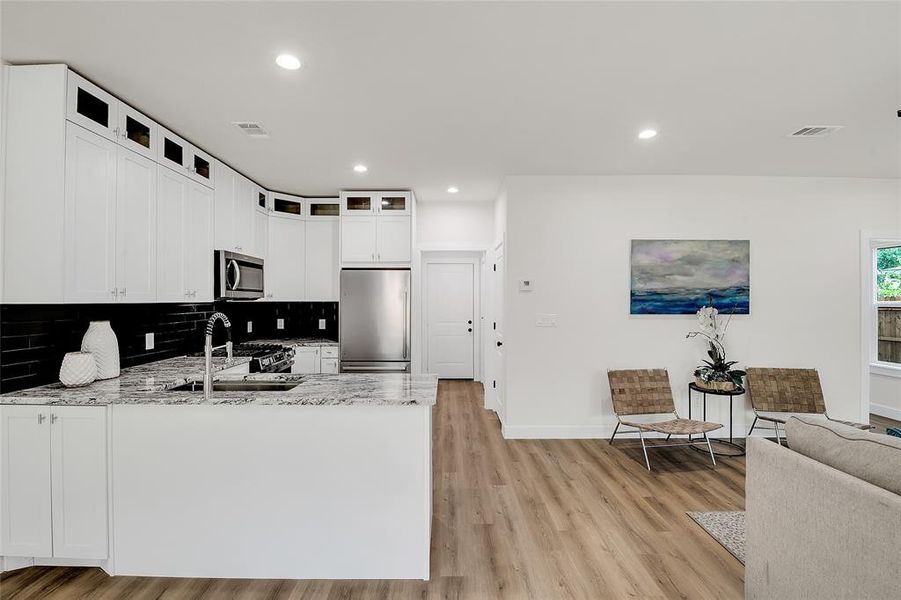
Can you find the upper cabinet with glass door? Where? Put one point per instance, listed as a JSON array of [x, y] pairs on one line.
[[91, 107], [286, 205], [200, 166], [394, 203], [320, 208], [138, 132], [358, 203]]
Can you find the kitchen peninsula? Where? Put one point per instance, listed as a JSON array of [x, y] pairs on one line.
[[328, 477]]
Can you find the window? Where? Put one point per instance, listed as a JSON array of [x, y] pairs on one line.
[[888, 303]]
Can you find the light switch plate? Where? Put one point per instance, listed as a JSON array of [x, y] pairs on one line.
[[545, 320], [148, 341], [279, 323], [249, 326], [525, 285], [321, 323]]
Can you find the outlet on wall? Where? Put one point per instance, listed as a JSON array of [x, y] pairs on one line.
[[148, 341], [249, 326], [279, 323], [321, 323]]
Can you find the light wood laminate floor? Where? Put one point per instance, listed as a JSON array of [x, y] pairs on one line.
[[512, 519]]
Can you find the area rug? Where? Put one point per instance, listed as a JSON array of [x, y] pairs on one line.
[[728, 528]]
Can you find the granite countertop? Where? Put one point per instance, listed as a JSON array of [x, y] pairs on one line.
[[298, 341], [149, 384]]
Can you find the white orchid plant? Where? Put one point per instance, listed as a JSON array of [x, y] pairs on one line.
[[712, 328]]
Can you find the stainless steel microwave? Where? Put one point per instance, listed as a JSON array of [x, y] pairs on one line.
[[238, 276]]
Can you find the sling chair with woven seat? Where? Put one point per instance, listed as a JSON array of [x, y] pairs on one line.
[[778, 394], [641, 392]]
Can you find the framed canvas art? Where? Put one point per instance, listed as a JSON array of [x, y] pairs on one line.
[[677, 277]]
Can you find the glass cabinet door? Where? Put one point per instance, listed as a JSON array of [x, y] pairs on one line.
[[358, 203], [200, 164], [323, 207], [173, 151], [91, 107], [137, 132], [394, 203], [261, 200], [287, 205]]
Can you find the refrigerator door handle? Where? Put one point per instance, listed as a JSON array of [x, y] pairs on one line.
[[405, 324]]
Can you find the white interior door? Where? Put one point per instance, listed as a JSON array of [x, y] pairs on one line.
[[498, 361], [450, 312]]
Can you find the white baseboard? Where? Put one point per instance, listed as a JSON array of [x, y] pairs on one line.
[[885, 411], [11, 563]]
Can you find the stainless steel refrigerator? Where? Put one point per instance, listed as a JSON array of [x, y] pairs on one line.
[[374, 320]]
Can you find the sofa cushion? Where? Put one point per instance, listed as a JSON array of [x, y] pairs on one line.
[[872, 457]]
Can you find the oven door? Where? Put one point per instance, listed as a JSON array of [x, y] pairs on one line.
[[238, 276]]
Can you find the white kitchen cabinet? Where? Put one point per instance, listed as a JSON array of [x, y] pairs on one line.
[[260, 222], [199, 243], [306, 360], [25, 490], [358, 239], [54, 477], [394, 203], [78, 481], [90, 222], [91, 107], [286, 205], [136, 212], [285, 265], [328, 365], [393, 235], [172, 195], [184, 239], [359, 203], [235, 200], [321, 258], [137, 132], [200, 166], [173, 151]]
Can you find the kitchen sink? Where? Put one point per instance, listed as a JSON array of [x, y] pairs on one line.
[[251, 385]]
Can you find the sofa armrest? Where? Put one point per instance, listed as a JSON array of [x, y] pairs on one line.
[[816, 532]]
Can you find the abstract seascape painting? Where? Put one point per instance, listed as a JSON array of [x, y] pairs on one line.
[[677, 277]]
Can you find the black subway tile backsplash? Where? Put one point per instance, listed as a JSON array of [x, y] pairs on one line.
[[34, 338]]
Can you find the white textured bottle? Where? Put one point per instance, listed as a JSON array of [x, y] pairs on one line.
[[100, 340]]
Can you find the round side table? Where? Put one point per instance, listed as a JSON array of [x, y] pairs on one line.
[[734, 449]]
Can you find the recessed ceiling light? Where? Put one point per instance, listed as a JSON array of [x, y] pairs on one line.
[[452, 190], [646, 134], [288, 61], [361, 168]]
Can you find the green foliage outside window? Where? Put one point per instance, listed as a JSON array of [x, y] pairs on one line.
[[888, 274]]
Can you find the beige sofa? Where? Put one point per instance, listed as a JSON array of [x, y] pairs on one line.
[[824, 517]]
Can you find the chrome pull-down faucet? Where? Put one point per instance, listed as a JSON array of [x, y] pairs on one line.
[[208, 350]]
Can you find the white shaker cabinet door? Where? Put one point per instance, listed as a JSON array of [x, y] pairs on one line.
[[306, 360], [226, 192], [90, 230], [285, 278], [199, 243], [25, 481], [358, 235], [394, 240], [136, 227], [322, 260], [172, 195], [79, 491], [245, 203]]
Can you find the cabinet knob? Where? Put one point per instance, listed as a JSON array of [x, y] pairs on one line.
[[122, 291], [499, 344], [114, 292], [469, 330]]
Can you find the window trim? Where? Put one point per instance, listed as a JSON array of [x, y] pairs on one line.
[[877, 366]]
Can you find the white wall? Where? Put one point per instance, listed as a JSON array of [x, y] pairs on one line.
[[885, 396], [455, 224], [571, 237]]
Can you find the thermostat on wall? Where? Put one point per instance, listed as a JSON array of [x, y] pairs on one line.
[[525, 285]]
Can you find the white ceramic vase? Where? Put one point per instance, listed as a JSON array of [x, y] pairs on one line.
[[78, 368], [102, 343]]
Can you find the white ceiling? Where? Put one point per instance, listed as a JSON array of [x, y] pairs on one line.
[[462, 93]]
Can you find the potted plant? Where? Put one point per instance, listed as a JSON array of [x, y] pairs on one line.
[[717, 373]]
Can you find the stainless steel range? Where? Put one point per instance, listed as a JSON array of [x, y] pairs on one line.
[[266, 358]]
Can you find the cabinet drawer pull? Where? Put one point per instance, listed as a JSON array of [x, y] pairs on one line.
[[53, 418], [41, 418]]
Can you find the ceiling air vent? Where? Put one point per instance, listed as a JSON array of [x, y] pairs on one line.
[[251, 128], [816, 131]]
